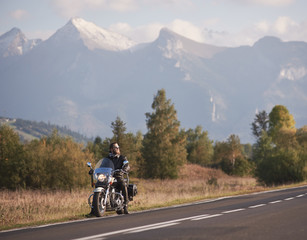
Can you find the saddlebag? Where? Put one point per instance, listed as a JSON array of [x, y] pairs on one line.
[[132, 191]]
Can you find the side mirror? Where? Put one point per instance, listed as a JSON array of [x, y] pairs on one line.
[[125, 163], [89, 164]]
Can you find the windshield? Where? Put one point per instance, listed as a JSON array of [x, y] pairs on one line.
[[105, 163], [104, 166]]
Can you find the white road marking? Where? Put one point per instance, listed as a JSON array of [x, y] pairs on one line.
[[154, 227], [235, 210], [302, 195], [278, 201], [256, 206], [141, 228], [205, 217], [291, 198]]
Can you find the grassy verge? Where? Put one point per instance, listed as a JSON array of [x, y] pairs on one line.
[[32, 207]]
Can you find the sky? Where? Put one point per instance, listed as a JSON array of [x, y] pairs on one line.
[[228, 23]]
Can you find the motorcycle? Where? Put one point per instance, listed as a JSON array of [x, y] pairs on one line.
[[106, 195]]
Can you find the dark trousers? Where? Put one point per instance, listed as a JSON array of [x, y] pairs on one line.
[[121, 185]]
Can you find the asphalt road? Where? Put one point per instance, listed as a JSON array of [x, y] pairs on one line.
[[270, 215]]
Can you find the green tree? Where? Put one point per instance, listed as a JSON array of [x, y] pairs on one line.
[[260, 124], [56, 162], [247, 150], [281, 167], [36, 160], [301, 136], [119, 133], [96, 148], [164, 144], [263, 148], [279, 154], [230, 158], [133, 153], [129, 143], [280, 120], [199, 146], [12, 164]]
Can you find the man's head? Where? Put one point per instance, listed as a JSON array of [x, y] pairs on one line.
[[114, 148]]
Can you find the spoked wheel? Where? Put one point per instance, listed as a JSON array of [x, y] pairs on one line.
[[98, 204]]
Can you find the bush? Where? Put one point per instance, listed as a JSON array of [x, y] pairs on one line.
[[281, 167], [241, 166]]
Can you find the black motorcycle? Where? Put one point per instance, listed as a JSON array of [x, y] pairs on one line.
[[107, 196]]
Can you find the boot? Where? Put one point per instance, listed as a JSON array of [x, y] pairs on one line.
[[126, 209]]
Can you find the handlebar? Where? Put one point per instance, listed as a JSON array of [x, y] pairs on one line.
[[120, 170]]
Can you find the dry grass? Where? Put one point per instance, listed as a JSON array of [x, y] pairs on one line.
[[28, 207], [195, 183], [32, 207]]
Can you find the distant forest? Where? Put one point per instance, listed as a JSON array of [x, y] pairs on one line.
[[41, 129]]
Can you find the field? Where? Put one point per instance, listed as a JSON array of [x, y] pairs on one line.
[[35, 207]]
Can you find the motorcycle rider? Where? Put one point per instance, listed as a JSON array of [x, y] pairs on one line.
[[120, 162]]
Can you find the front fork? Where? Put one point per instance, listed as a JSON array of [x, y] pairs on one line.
[[106, 197], [99, 189]]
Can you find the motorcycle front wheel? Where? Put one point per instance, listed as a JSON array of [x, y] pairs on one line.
[[98, 204]]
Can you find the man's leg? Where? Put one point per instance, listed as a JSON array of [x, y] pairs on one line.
[[124, 189]]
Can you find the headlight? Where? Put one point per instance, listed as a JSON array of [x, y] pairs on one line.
[[101, 177]]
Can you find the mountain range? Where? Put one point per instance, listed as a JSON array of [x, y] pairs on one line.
[[84, 76]]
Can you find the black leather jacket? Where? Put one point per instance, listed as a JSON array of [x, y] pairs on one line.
[[119, 162]]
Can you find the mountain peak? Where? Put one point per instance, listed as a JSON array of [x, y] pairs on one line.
[[171, 42], [10, 35], [14, 31], [15, 43], [93, 37], [166, 33], [267, 41]]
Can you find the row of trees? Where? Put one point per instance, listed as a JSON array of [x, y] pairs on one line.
[[52, 162], [279, 155]]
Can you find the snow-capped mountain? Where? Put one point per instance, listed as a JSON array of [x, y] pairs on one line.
[[15, 43], [92, 36], [84, 77], [173, 43]]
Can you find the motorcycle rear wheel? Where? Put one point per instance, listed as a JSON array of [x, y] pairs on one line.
[[98, 204]]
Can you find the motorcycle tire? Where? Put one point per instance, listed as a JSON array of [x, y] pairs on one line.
[[98, 204]]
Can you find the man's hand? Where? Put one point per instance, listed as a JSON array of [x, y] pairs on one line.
[[118, 174]]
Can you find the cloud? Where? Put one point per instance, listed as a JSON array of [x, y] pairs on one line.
[[187, 29], [275, 3], [170, 4], [68, 8], [121, 5], [140, 34], [19, 14], [72, 8], [272, 3], [148, 33], [283, 27]]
